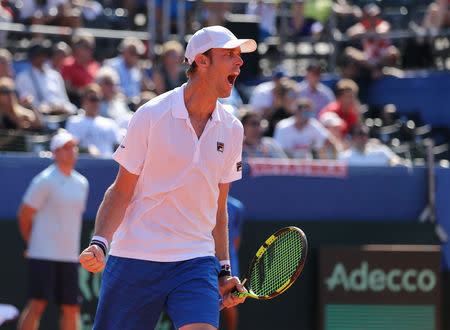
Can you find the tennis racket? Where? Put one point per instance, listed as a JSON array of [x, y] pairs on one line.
[[276, 265]]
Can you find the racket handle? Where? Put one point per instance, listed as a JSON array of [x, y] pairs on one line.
[[240, 294]]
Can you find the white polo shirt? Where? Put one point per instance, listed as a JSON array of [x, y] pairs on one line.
[[173, 209]]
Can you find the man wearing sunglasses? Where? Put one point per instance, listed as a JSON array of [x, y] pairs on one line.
[[98, 135]]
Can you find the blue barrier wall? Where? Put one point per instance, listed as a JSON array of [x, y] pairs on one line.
[[367, 194], [426, 93]]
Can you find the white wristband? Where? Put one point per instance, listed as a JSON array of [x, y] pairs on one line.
[[101, 239], [224, 263]]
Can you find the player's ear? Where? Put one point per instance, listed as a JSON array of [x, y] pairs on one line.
[[202, 60]]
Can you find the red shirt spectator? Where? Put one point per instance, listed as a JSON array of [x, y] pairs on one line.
[[345, 105], [349, 116], [78, 75]]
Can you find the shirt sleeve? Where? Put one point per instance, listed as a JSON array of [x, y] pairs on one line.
[[37, 192], [132, 151], [233, 167]]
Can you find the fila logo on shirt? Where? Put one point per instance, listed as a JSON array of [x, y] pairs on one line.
[[220, 146], [239, 166]]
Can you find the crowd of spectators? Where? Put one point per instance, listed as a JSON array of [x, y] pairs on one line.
[[75, 83]]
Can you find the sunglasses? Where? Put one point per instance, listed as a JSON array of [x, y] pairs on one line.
[[7, 91], [93, 99]]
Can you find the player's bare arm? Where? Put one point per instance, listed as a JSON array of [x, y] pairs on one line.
[[226, 283], [109, 217]]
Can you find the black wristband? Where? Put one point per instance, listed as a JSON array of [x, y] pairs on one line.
[[100, 244], [224, 272]]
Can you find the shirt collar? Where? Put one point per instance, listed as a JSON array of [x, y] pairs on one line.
[[179, 107]]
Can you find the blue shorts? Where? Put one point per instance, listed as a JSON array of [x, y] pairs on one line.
[[134, 292]]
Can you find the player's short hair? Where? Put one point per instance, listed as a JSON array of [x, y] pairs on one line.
[[344, 85]]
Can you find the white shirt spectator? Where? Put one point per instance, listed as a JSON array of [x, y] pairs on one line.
[[55, 232], [320, 98], [46, 87], [300, 143], [262, 97], [101, 132], [375, 154]]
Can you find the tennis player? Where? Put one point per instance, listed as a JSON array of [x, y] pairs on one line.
[[166, 211]]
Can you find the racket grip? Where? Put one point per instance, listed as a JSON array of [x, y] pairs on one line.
[[239, 294]]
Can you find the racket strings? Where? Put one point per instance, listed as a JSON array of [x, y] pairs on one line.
[[277, 264]]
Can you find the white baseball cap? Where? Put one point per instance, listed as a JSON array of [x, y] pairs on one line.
[[216, 37], [60, 139]]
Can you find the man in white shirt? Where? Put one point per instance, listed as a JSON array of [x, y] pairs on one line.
[[365, 152], [312, 89], [44, 84], [166, 211], [50, 221], [98, 135], [263, 98], [301, 134]]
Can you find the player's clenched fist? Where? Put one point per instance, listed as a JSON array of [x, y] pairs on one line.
[[92, 259]]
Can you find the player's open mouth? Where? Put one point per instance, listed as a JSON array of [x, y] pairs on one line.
[[231, 78]]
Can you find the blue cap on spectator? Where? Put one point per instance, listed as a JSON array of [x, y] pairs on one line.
[[38, 48]]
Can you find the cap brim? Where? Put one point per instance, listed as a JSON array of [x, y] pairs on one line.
[[247, 45]]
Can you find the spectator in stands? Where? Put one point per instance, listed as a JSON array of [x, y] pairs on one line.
[[170, 72], [15, 119], [59, 52], [437, 16], [267, 14], [285, 97], [300, 25], [113, 104], [346, 105], [312, 89], [79, 70], [99, 136], [127, 66], [333, 123], [367, 152], [12, 114], [6, 69], [50, 222], [377, 52], [44, 84], [263, 97], [302, 134], [256, 145]]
